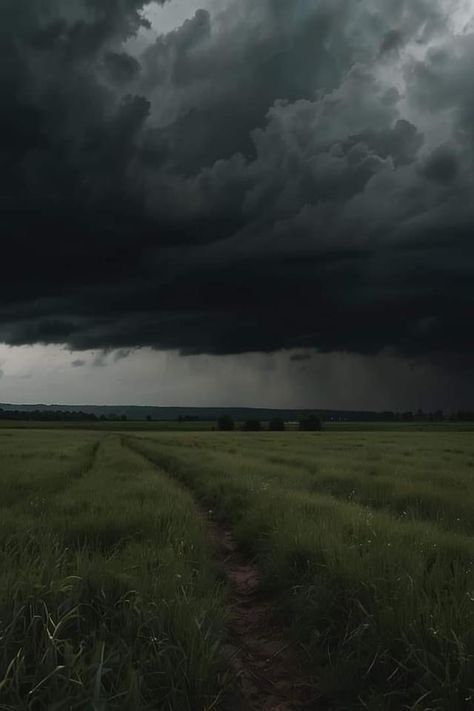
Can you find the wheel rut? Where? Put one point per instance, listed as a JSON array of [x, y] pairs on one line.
[[269, 673], [267, 665]]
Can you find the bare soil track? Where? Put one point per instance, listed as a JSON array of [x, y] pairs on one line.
[[270, 675], [267, 665]]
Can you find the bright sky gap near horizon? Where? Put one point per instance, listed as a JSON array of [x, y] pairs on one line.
[[240, 203]]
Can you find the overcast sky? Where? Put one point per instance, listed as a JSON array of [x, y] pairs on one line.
[[238, 202]]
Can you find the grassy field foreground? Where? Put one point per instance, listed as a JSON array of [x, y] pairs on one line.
[[109, 597], [366, 540]]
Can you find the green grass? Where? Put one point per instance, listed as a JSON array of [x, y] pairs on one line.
[[109, 597], [366, 539], [445, 426]]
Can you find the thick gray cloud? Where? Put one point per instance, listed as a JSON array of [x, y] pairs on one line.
[[273, 175], [43, 374], [120, 67], [78, 363]]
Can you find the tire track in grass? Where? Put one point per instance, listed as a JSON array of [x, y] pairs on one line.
[[84, 469], [270, 674]]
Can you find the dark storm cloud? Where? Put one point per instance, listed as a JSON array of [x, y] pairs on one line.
[[300, 357], [121, 67], [392, 40], [122, 354], [78, 363], [442, 165], [272, 177], [100, 360]]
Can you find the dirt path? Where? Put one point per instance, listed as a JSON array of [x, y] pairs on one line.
[[266, 664]]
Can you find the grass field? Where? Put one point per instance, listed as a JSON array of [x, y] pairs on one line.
[[110, 597]]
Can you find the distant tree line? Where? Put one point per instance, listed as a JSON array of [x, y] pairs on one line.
[[421, 416], [112, 418], [57, 416], [46, 416], [309, 423], [313, 422], [306, 422]]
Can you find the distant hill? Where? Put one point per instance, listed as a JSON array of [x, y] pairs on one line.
[[239, 414]]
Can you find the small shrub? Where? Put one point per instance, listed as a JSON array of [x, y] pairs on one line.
[[252, 426], [225, 423], [311, 423], [277, 425]]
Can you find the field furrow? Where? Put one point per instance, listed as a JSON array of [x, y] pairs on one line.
[[269, 669]]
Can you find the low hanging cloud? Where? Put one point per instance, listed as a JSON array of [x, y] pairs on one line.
[[79, 363], [274, 175], [300, 357]]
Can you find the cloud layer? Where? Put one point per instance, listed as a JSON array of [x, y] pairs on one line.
[[273, 175]]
